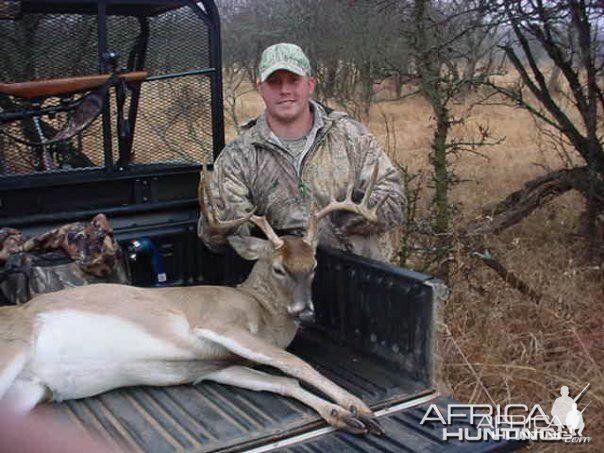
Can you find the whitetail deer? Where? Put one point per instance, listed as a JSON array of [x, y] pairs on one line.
[[83, 341]]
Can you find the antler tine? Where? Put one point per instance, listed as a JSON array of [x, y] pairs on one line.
[[361, 208], [347, 204], [268, 231], [204, 190], [371, 185], [229, 226], [311, 229], [350, 186]]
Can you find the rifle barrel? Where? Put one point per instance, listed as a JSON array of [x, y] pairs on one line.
[[8, 117], [57, 87], [582, 392], [586, 406]]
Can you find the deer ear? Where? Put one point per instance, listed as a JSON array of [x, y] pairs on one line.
[[248, 247]]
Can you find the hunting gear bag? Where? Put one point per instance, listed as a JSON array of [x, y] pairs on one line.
[[75, 254]]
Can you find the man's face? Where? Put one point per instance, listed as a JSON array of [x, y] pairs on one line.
[[286, 95]]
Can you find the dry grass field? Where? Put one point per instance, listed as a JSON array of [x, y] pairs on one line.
[[497, 346]]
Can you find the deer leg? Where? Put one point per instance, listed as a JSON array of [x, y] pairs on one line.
[[248, 378], [257, 350], [23, 396], [12, 360]]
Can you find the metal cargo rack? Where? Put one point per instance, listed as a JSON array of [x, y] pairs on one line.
[[144, 149]]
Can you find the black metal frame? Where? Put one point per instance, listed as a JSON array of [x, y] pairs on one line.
[[116, 168]]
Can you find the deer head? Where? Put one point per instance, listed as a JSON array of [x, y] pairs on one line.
[[285, 266]]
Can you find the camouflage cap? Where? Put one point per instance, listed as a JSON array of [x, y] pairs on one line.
[[283, 56]]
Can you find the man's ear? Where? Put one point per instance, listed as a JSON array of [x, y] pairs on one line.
[[249, 247], [312, 83]]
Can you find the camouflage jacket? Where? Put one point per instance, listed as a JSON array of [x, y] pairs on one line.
[[254, 171]]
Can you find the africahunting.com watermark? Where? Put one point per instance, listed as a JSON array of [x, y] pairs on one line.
[[563, 423]]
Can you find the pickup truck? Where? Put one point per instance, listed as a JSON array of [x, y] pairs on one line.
[[139, 164]]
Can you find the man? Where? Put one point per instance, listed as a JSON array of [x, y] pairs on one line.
[[298, 152], [561, 407], [574, 421]]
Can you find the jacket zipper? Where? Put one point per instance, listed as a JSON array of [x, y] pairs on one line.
[[302, 187]]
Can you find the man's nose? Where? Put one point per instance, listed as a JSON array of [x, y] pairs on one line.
[[286, 88]]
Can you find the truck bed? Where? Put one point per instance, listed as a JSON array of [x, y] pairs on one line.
[[210, 416], [373, 335]]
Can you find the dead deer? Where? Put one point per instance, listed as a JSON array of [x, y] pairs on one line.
[[83, 341]]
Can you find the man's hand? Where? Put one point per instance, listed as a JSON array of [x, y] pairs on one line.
[[350, 223]]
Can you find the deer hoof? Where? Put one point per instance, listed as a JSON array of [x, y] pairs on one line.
[[343, 419], [369, 420], [372, 424], [353, 425]]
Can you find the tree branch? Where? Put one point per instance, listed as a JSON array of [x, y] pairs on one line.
[[523, 202], [508, 276]]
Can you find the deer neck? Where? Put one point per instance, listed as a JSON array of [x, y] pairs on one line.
[[261, 286]]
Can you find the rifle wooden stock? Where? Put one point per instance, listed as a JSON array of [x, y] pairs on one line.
[[70, 85]]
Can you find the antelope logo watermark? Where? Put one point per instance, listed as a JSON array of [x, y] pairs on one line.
[[513, 421]]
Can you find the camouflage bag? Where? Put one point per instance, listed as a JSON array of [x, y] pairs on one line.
[[75, 254]]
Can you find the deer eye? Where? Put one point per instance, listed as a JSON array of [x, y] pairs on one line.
[[278, 271]]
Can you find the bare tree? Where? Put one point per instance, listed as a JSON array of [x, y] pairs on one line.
[[351, 45], [566, 32], [445, 66]]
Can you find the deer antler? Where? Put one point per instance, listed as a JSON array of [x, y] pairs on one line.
[[267, 229], [222, 227], [362, 208], [228, 227]]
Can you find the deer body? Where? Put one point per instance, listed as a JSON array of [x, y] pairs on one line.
[[90, 339]]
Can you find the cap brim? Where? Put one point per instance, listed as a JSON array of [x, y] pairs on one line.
[[282, 66]]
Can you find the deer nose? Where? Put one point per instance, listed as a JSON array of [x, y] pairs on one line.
[[303, 312], [307, 316], [310, 306]]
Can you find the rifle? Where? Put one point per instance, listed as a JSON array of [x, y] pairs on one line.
[[85, 109], [62, 87]]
